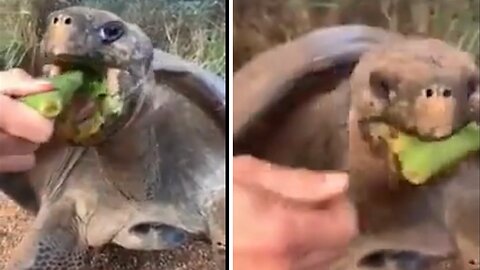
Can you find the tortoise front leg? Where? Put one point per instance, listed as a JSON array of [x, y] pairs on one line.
[[54, 241]]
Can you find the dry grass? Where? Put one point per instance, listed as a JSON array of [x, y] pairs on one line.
[[15, 39], [455, 21], [194, 30]]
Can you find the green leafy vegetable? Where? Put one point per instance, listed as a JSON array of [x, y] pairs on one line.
[[420, 160], [51, 104], [55, 104]]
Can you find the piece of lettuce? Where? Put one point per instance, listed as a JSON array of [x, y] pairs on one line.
[[50, 104], [54, 104], [419, 161]]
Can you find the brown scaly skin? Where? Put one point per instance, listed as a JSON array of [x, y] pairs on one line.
[[311, 111], [153, 180]]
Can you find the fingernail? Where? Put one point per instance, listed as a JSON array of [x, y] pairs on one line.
[[42, 82], [336, 180]]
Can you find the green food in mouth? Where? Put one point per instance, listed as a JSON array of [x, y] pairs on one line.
[[51, 104], [418, 161], [55, 104]]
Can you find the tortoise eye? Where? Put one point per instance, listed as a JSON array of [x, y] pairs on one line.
[[384, 85], [472, 85], [111, 32]]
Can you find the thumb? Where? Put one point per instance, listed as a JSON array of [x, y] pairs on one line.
[[17, 82], [25, 87], [290, 183]]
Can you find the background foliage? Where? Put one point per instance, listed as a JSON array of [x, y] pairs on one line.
[[260, 24], [193, 29]]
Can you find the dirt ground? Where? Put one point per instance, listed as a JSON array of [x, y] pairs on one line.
[[14, 221]]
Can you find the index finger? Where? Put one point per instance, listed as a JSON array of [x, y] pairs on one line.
[[19, 120], [17, 82], [24, 88], [290, 183]]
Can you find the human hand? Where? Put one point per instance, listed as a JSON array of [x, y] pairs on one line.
[[285, 219], [22, 129]]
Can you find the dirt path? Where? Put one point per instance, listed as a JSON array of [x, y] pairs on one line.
[[14, 221]]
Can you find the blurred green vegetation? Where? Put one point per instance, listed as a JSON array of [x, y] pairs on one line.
[[193, 29], [455, 21], [261, 24]]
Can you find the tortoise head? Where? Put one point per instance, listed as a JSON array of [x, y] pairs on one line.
[[424, 87], [116, 53]]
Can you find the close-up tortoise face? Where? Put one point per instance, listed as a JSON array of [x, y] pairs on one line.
[[105, 47], [337, 82], [430, 91]]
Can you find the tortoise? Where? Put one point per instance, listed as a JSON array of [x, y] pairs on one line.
[[153, 178], [311, 113]]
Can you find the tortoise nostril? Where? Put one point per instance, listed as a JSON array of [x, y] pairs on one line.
[[55, 20], [429, 93], [68, 20], [447, 93]]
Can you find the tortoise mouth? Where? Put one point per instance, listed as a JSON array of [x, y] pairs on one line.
[[431, 138], [83, 107], [413, 132], [89, 114]]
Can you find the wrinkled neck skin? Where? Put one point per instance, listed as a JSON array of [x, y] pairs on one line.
[[143, 102], [135, 121], [128, 146], [368, 161], [170, 145], [387, 205]]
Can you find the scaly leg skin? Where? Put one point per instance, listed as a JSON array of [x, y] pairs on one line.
[[54, 242]]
